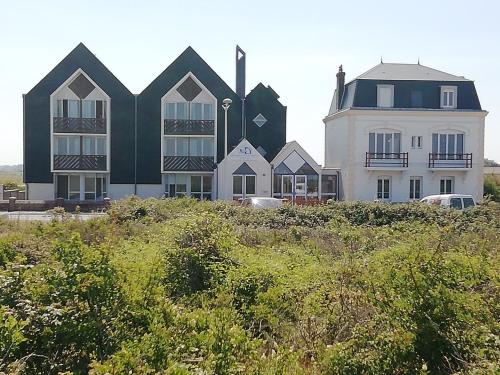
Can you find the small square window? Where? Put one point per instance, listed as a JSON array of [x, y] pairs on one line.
[[416, 141]]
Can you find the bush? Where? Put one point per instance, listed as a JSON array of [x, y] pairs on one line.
[[200, 257]]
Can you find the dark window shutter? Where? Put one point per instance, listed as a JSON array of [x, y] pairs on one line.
[[98, 109], [65, 108]]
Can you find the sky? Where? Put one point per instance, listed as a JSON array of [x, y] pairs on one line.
[[293, 46]]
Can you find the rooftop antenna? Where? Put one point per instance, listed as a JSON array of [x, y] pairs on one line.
[[418, 61], [381, 61]]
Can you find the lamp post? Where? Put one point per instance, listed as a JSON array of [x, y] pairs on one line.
[[226, 103]]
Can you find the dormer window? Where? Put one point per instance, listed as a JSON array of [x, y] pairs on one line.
[[448, 97], [385, 96]]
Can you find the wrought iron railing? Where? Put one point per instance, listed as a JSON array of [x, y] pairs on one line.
[[80, 162], [387, 159], [188, 163], [189, 127], [79, 125], [450, 160]]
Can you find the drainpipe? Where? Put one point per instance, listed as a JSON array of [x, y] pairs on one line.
[[24, 148], [135, 144]]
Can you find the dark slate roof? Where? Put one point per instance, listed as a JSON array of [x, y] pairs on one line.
[[244, 169], [408, 80], [37, 117]]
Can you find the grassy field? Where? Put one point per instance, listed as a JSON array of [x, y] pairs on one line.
[[186, 287], [11, 177]]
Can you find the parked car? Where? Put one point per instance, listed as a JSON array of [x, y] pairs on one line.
[[262, 202], [457, 201]]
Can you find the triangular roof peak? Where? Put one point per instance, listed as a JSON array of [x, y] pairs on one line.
[[407, 72]]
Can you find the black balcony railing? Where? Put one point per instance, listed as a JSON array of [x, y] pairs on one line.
[[450, 160], [189, 127], [80, 162], [188, 163], [79, 125], [388, 159]]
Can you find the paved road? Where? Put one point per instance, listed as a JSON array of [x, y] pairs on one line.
[[44, 216]]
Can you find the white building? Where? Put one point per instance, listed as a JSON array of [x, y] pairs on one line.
[[403, 131]]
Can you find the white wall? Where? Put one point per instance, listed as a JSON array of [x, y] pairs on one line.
[[39, 191], [119, 191], [346, 138], [150, 190], [233, 160]]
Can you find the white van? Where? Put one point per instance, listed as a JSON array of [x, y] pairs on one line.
[[458, 201]]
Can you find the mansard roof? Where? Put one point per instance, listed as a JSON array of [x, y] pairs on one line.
[[408, 72]]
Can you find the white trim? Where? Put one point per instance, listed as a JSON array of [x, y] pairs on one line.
[[108, 121], [162, 118], [391, 88], [448, 89]]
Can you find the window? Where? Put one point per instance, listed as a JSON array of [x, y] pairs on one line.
[[287, 184], [189, 111], [249, 185], [69, 145], [181, 185], [74, 187], [448, 97], [417, 99], [237, 185], [73, 108], [384, 144], [88, 109], [243, 185], [416, 141], [448, 146], [189, 146], [385, 96], [94, 145], [201, 187], [383, 188], [415, 187], [329, 186], [277, 184], [446, 185], [300, 185], [95, 187], [456, 203], [468, 202], [312, 184]]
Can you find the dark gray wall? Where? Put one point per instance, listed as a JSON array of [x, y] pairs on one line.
[[37, 118]]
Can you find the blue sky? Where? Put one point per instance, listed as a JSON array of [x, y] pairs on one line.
[[295, 47]]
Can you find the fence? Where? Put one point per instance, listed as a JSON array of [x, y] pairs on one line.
[[13, 204]]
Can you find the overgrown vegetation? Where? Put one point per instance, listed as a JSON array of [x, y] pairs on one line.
[[186, 287]]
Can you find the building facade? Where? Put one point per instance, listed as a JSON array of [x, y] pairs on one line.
[[400, 132], [87, 137]]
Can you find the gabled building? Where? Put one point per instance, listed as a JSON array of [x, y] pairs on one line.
[[402, 131], [79, 138], [88, 137]]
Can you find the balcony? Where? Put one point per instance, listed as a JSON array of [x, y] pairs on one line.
[[80, 162], [189, 127], [188, 163], [450, 161], [391, 160], [79, 125]]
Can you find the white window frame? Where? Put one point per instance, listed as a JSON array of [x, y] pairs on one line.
[[412, 193], [243, 194], [445, 97], [452, 185], [385, 151], [189, 138], [384, 195], [416, 141], [379, 97], [204, 115], [203, 194]]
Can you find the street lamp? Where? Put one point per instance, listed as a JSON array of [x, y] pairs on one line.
[[225, 106]]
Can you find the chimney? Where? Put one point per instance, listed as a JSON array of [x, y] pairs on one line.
[[340, 86], [240, 72]]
